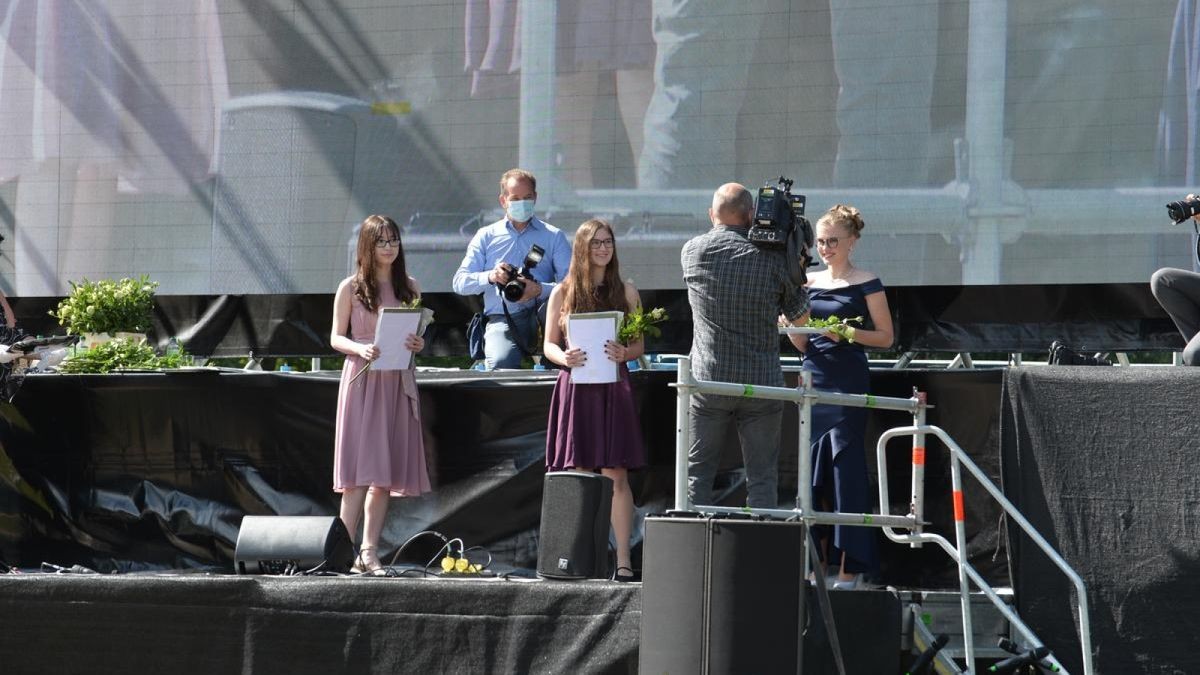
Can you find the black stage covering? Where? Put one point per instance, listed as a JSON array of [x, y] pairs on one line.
[[155, 470], [149, 475], [206, 624], [1011, 318], [1103, 462]]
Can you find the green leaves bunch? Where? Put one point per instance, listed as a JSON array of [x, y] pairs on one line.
[[108, 306], [833, 320], [122, 354], [639, 323], [836, 325]]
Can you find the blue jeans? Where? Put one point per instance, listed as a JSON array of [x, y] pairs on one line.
[[758, 427], [499, 346]]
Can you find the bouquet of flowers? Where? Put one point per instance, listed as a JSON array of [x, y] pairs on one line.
[[108, 306], [836, 325], [639, 323]]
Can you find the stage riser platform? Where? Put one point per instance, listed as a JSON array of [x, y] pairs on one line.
[[136, 470]]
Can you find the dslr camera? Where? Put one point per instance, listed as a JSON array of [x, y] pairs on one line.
[[1183, 209], [779, 224], [515, 279]]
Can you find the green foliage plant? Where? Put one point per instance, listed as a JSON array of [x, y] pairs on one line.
[[638, 324], [108, 306], [122, 354]]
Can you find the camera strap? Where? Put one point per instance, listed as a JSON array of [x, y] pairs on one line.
[[512, 326]]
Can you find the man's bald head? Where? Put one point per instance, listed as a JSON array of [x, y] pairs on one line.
[[733, 205]]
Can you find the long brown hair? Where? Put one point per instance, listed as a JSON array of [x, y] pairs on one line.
[[373, 229], [580, 294]]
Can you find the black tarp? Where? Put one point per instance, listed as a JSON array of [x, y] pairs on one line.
[[1011, 318], [205, 624], [155, 470], [1102, 461]]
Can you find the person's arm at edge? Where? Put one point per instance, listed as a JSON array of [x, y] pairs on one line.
[[883, 335], [560, 259], [341, 324], [794, 308], [471, 278], [10, 319], [553, 332]]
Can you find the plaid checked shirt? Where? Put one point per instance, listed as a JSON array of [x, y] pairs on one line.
[[737, 292]]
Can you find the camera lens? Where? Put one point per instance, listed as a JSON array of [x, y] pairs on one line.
[[514, 289], [1182, 210]]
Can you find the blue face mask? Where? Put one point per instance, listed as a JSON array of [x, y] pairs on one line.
[[520, 210]]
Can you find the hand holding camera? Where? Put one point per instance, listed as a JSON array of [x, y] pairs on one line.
[[516, 284], [1180, 211]]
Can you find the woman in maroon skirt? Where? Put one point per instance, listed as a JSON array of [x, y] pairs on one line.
[[594, 426]]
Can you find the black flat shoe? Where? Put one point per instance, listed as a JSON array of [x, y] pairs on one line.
[[625, 578]]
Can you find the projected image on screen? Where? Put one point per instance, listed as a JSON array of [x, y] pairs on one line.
[[224, 146]]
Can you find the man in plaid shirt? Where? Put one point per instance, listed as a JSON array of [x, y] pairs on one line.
[[738, 292]]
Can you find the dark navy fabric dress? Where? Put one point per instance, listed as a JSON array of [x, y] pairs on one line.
[[839, 459]]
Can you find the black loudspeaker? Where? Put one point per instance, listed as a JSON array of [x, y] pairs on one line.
[[723, 596], [573, 543], [291, 544]]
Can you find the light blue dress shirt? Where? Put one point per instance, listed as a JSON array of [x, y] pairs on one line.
[[500, 241]]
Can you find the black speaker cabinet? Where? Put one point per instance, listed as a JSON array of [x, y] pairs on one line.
[[573, 543], [723, 596], [287, 544]]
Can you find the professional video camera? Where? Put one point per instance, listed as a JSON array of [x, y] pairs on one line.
[[779, 224], [1183, 209], [514, 283]]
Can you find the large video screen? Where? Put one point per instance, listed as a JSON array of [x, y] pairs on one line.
[[232, 146]]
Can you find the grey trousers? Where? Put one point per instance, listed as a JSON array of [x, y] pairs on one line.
[[758, 423], [1178, 291]]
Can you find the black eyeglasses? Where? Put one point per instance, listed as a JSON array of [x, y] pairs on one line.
[[831, 242], [387, 243], [601, 243]]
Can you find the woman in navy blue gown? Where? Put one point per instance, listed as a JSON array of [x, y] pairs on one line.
[[838, 362]]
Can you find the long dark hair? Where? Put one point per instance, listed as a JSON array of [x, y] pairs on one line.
[[580, 294], [373, 229]]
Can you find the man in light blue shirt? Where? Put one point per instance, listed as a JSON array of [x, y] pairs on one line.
[[494, 255]]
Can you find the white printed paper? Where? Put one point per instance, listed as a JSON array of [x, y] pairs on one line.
[[394, 325], [589, 332]]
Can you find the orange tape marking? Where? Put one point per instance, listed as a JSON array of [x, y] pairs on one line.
[[918, 456], [959, 511]]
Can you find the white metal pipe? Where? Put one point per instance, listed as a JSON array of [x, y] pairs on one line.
[[683, 436], [535, 134], [819, 517], [796, 396], [960, 536], [917, 505], [1030, 637], [804, 445]]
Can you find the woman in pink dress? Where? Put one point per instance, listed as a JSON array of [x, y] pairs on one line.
[[378, 448]]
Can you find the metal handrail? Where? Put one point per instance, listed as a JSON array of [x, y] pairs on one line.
[[805, 396], [958, 553]]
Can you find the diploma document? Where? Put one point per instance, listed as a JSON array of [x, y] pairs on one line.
[[395, 324], [589, 332]]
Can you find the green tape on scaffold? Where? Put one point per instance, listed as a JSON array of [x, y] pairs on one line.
[[870, 401], [747, 390]]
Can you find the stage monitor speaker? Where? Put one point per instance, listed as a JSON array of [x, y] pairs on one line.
[[290, 544], [573, 541], [723, 595]]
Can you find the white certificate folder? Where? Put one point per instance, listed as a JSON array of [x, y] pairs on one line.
[[395, 324], [589, 332]]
